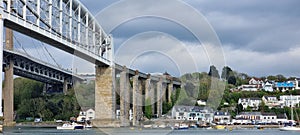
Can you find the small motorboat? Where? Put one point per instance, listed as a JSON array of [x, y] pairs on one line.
[[68, 126], [181, 126], [65, 126], [219, 127]]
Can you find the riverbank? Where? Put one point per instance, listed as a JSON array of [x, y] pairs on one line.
[[38, 125]]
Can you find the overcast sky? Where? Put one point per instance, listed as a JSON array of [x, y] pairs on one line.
[[256, 37]]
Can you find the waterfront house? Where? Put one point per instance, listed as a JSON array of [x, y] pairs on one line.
[[248, 117], [268, 118], [222, 118], [86, 114], [251, 102], [192, 113]]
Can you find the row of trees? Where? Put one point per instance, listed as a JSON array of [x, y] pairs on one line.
[[30, 101]]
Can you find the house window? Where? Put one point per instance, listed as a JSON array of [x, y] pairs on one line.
[[90, 112]]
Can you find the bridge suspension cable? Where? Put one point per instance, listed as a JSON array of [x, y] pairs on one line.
[[37, 50], [19, 43], [50, 55]]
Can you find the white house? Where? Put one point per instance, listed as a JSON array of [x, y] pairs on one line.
[[192, 113], [248, 117], [285, 86], [249, 87], [251, 102], [201, 102], [289, 100], [86, 114], [222, 118], [268, 118], [268, 86], [256, 81], [271, 101], [297, 84]]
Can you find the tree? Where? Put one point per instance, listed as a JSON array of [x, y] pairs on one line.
[[232, 80], [148, 108], [226, 72], [271, 77], [239, 108], [280, 78], [213, 72], [166, 107]]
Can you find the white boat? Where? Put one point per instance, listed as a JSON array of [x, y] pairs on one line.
[[181, 126], [65, 126], [68, 126], [88, 126], [291, 126]]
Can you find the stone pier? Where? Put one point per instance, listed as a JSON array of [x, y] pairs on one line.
[[124, 97], [65, 87], [135, 96], [105, 98], [170, 90], [149, 93], [159, 97], [8, 89]]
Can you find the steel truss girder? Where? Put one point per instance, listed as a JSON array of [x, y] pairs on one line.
[[67, 22], [37, 70]]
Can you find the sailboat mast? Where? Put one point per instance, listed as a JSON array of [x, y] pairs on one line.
[[292, 112]]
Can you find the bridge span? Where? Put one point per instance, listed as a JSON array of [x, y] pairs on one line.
[[69, 26], [32, 68]]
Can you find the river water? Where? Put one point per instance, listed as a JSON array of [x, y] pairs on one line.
[[127, 131]]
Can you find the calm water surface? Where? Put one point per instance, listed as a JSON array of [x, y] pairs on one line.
[[127, 131]]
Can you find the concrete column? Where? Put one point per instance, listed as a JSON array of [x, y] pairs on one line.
[[8, 89], [153, 97], [65, 87], [148, 92], [105, 98], [124, 97], [1, 59], [140, 99], [135, 92], [170, 89], [159, 97]]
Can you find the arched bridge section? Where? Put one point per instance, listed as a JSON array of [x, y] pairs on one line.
[[65, 24]]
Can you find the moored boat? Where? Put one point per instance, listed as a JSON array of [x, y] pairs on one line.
[[220, 127], [181, 126], [289, 128], [68, 126]]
